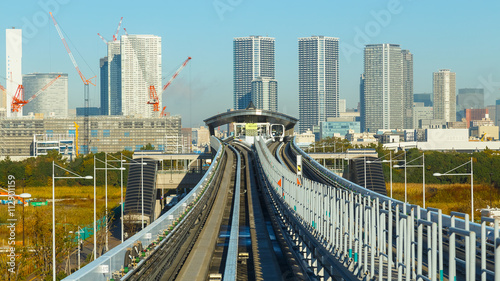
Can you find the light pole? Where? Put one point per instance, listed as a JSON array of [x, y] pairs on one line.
[[471, 174], [75, 176], [390, 161], [106, 198], [22, 195], [142, 192], [121, 188], [79, 245], [423, 175]]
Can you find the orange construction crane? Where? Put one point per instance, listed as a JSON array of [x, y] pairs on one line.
[[153, 97], [163, 114], [18, 100], [115, 36], [86, 82]]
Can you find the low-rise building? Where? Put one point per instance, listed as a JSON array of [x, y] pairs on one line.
[[107, 133], [338, 127]]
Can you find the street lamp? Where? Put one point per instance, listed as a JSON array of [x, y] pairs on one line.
[[22, 195], [423, 175], [121, 188], [75, 176], [106, 199], [471, 174], [79, 244], [390, 161]]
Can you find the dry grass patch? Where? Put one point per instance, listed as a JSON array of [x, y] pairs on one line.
[[448, 197]]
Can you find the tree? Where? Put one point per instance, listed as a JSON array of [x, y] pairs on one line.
[[148, 146]]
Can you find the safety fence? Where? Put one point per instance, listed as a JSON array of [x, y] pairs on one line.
[[121, 261], [374, 236]]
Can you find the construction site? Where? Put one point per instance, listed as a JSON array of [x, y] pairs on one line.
[[131, 112]]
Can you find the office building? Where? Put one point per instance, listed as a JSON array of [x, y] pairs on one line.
[[407, 60], [444, 95], [53, 101], [13, 60], [424, 98], [115, 72], [387, 87], [103, 70], [361, 105], [140, 63], [338, 128], [475, 115], [92, 111], [318, 80], [469, 98], [497, 117], [3, 102], [492, 112], [108, 133], [265, 93], [253, 57], [421, 113], [342, 106]]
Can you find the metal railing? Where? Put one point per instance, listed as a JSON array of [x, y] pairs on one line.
[[111, 264], [232, 250], [362, 228]]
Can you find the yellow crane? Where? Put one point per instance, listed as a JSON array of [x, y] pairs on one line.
[[76, 138]]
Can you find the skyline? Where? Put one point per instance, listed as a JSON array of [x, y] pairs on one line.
[[459, 38]]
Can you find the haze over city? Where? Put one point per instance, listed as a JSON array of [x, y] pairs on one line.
[[459, 37]]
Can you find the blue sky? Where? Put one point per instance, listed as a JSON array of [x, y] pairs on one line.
[[459, 35]]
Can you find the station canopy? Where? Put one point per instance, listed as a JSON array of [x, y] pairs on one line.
[[251, 115]]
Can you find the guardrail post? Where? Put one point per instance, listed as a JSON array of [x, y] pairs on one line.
[[389, 243]]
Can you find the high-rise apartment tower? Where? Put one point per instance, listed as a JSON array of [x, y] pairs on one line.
[[253, 60], [318, 80]]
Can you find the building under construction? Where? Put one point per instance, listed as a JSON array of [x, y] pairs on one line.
[[107, 133]]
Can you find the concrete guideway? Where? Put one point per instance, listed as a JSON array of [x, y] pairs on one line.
[[198, 262]]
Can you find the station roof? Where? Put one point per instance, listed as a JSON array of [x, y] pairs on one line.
[[251, 115]]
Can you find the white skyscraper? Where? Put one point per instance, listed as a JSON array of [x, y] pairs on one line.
[[318, 80], [387, 90], [51, 102], [265, 93], [140, 69], [253, 58], [445, 95], [14, 54]]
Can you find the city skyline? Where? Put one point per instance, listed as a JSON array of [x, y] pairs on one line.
[[208, 79]]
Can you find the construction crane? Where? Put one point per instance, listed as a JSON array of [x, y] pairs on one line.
[[163, 114], [153, 96], [115, 36], [18, 100], [86, 83]]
